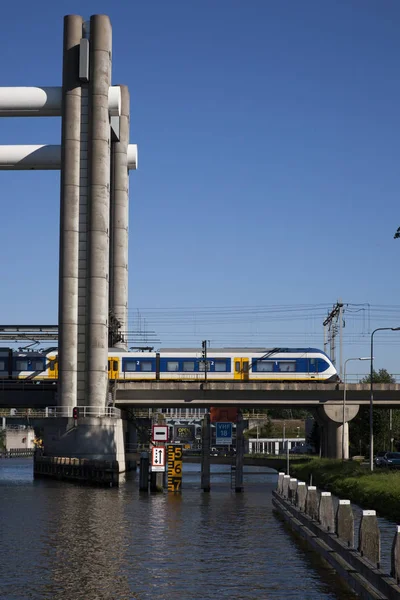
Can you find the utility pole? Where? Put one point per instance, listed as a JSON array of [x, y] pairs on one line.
[[204, 354], [333, 324]]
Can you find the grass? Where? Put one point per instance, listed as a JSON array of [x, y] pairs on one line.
[[378, 491]]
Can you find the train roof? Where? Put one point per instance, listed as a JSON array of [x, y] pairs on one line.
[[242, 349]]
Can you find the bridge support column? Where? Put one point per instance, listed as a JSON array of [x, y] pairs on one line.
[[333, 437], [239, 452], [205, 453]]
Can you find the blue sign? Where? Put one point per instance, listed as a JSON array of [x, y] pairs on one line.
[[223, 434]]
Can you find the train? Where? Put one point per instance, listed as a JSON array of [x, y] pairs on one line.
[[184, 364]]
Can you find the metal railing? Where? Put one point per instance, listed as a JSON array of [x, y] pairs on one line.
[[62, 411]]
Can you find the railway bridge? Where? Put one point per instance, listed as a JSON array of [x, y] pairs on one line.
[[326, 400]]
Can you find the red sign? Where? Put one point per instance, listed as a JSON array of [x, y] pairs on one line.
[[223, 414]]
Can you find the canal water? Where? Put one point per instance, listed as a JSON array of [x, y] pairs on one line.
[[64, 541]]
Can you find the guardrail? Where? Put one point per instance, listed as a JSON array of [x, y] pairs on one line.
[[62, 411]]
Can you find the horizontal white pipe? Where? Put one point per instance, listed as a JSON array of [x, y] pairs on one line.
[[30, 101], [43, 158], [44, 101]]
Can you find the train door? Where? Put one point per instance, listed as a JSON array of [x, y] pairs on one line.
[[113, 367], [53, 367], [313, 368], [241, 368]]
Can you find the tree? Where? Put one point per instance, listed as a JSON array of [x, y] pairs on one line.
[[397, 234], [359, 427], [382, 376]]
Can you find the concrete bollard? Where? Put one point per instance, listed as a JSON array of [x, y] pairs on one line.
[[279, 488], [345, 523], [292, 489], [285, 486], [369, 537], [312, 502], [326, 515], [395, 570], [301, 494]]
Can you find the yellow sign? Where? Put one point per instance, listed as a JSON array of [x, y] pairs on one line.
[[174, 456]]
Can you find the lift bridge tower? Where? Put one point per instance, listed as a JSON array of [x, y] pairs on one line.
[[94, 158]]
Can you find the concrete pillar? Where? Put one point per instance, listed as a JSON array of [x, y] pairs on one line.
[[205, 453], [369, 537], [99, 211], [331, 419], [119, 218], [345, 523], [301, 494], [395, 556], [279, 488], [285, 486], [292, 489], [239, 452], [69, 214], [312, 502], [326, 514]]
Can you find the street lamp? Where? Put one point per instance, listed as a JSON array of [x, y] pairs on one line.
[[371, 400], [344, 397]]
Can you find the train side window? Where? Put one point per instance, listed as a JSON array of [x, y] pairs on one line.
[[22, 365], [188, 365], [237, 366], [2, 365], [145, 366], [220, 365], [172, 365], [202, 365], [130, 365], [265, 366], [37, 365], [287, 367]]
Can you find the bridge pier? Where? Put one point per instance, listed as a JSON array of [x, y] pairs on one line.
[[335, 438]]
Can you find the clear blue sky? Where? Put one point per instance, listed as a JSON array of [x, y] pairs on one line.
[[269, 154]]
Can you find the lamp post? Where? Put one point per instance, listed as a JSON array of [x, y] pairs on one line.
[[344, 397], [371, 399]]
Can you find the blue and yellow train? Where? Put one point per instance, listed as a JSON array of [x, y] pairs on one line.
[[222, 364]]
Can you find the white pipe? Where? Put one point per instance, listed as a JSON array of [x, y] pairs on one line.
[[25, 158], [30, 101], [43, 157], [44, 101]]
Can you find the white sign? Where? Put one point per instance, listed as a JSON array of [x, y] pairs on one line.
[[160, 433], [158, 459]]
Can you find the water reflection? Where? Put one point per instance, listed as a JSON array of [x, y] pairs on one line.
[[65, 541]]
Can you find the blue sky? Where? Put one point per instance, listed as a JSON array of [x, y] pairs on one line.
[[268, 138]]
